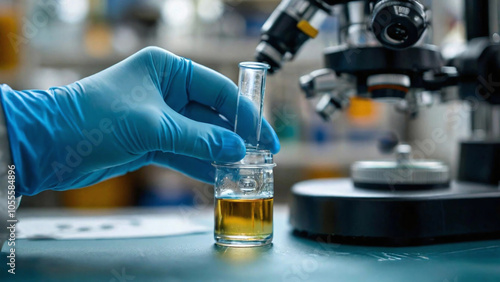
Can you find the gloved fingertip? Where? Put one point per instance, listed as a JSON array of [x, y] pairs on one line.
[[269, 138], [233, 148], [276, 147]]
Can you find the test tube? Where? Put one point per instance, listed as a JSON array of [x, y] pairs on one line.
[[251, 85], [244, 190]]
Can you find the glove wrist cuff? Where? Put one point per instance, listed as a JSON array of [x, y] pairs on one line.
[[6, 163]]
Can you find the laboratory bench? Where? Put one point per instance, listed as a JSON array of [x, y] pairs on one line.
[[194, 257]]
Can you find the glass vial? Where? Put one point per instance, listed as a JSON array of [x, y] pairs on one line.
[[244, 201], [244, 190]]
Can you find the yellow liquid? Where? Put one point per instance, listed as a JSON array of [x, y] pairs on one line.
[[244, 219]]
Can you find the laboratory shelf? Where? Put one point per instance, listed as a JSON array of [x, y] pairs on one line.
[[341, 154], [210, 51]]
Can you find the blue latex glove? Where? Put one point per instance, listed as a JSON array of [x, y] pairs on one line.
[[152, 108]]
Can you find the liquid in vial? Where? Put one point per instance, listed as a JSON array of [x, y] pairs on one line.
[[244, 220]]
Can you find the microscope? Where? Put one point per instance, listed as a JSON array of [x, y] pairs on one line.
[[382, 55]]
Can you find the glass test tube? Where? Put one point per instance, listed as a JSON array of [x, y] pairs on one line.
[[244, 190], [251, 88]]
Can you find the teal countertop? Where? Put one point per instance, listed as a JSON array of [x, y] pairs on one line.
[[196, 258]]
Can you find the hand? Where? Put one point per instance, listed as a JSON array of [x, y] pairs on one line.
[[152, 108]]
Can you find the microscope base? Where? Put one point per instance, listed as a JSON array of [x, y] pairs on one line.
[[336, 211]]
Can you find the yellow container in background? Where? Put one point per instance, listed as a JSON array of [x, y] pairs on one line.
[[115, 192], [10, 36]]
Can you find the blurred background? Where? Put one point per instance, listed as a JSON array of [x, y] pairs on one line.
[[55, 42]]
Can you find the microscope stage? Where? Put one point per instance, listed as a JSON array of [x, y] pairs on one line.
[[336, 209]]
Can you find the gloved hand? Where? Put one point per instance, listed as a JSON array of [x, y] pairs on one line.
[[152, 108]]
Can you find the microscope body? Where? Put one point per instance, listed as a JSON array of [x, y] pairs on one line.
[[383, 56], [382, 51]]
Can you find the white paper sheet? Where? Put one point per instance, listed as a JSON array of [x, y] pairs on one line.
[[105, 227]]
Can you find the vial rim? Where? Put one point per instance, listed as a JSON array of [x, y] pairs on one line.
[[266, 160], [239, 165]]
